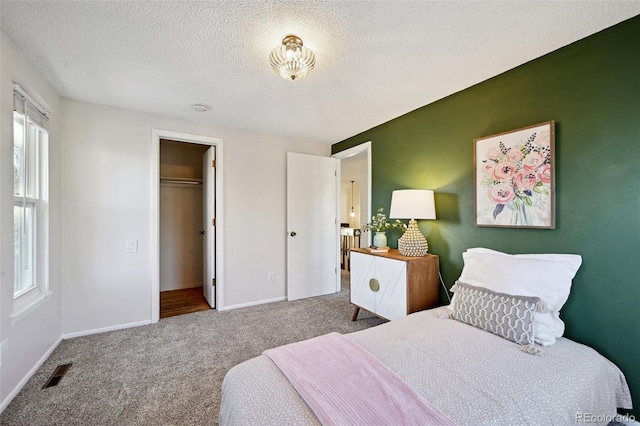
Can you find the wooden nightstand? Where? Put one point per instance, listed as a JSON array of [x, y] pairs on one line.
[[392, 285]]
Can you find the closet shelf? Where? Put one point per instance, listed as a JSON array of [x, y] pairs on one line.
[[178, 180]]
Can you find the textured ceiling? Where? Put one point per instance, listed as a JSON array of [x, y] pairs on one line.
[[375, 60]]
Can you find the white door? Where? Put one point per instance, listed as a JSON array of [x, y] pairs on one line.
[[209, 202], [312, 240]]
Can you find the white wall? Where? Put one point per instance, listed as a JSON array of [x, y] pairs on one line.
[[181, 245], [107, 198], [29, 340]]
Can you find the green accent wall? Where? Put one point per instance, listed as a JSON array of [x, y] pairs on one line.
[[591, 89]]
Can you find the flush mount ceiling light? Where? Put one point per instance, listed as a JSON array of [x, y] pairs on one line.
[[292, 60]]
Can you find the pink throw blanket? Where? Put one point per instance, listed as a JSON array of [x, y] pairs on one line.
[[343, 384]]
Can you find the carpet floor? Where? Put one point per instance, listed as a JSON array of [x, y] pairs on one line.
[[170, 373]]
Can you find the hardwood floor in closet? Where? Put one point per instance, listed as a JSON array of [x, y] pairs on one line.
[[178, 302]]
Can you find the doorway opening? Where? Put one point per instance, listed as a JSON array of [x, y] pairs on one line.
[[181, 228], [354, 202], [186, 223]]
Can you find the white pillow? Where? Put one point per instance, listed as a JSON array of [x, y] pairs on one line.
[[572, 262], [547, 276]]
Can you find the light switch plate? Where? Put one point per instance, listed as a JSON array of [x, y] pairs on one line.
[[4, 351]]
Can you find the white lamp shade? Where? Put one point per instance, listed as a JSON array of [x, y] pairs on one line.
[[412, 204]]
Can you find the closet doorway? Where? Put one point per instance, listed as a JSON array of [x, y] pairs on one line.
[[186, 238]]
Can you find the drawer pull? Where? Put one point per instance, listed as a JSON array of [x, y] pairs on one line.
[[374, 284]]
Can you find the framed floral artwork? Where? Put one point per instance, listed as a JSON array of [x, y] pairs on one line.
[[515, 178]]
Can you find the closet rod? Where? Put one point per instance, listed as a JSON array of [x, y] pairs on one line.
[[184, 181]]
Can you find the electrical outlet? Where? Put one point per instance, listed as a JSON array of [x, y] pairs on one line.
[[131, 246], [271, 276]]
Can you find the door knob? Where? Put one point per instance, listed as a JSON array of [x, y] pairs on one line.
[[293, 234]]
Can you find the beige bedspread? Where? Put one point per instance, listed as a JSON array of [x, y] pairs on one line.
[[474, 377]]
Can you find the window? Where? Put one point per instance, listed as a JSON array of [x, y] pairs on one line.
[[30, 200]]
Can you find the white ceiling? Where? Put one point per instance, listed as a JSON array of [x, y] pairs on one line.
[[375, 60]]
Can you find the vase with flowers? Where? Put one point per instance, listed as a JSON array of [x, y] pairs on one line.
[[379, 224]]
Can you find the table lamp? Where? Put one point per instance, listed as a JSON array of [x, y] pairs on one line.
[[412, 204]]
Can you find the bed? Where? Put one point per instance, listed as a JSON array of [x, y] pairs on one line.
[[472, 375]]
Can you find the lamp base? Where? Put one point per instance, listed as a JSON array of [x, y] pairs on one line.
[[412, 242]]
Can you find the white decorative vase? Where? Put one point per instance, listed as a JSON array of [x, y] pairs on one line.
[[413, 243], [380, 239]]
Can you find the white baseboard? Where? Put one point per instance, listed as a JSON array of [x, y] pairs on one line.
[[245, 305], [105, 329], [31, 372]]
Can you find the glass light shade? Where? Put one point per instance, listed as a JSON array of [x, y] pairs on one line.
[[292, 60], [412, 204]]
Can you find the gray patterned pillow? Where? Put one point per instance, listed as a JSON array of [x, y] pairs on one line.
[[502, 314]]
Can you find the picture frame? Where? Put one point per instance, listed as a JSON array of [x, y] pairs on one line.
[[515, 178]]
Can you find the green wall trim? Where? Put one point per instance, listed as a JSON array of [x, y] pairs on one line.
[[591, 89]]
